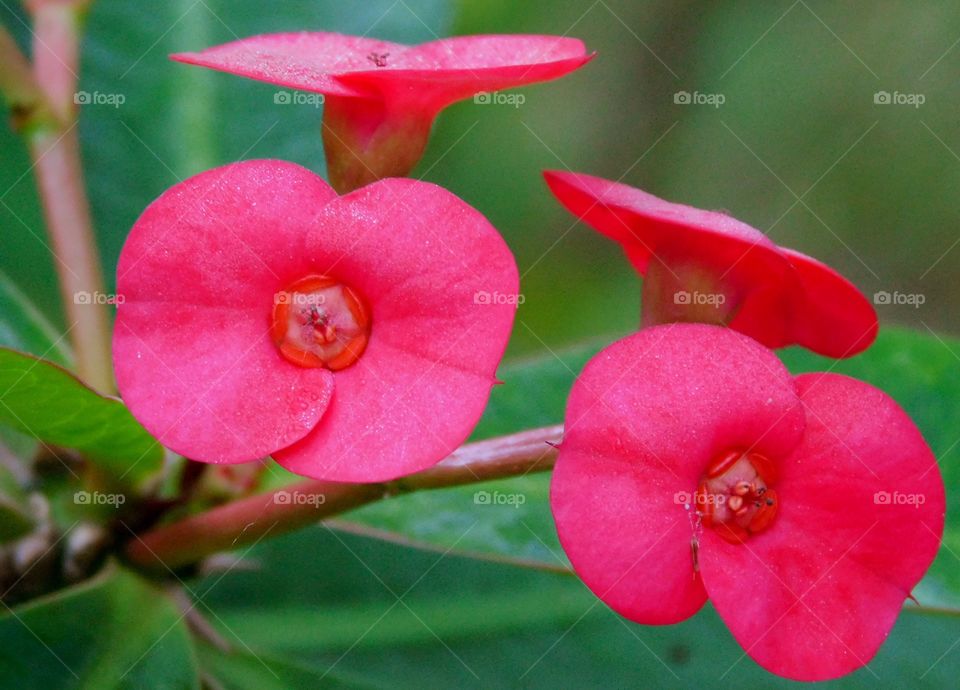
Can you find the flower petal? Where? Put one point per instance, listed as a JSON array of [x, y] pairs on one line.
[[784, 297], [650, 225], [860, 519], [442, 287], [439, 73], [309, 61], [829, 315], [434, 75], [644, 419], [197, 274]]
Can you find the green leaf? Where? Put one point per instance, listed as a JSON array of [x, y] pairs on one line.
[[41, 399], [918, 370], [239, 670], [402, 618], [23, 328], [115, 631]]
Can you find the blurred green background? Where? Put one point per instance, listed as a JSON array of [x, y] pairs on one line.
[[876, 182], [799, 148]]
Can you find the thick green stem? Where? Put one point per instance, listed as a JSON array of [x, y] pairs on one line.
[[55, 149], [246, 521]]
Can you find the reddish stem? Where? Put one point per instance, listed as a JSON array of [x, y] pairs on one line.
[[247, 520], [55, 150]]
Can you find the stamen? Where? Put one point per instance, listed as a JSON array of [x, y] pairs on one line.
[[319, 322], [734, 497]]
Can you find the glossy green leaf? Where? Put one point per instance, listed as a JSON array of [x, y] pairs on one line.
[[238, 669], [23, 327], [115, 631], [402, 618], [41, 399]]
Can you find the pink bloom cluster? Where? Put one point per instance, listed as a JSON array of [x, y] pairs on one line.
[[350, 336]]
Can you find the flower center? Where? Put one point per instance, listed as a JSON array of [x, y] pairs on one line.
[[319, 322], [734, 497]]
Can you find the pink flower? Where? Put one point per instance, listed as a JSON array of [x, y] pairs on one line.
[[706, 266], [693, 466], [381, 98], [350, 337]]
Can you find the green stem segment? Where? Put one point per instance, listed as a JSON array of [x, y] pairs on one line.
[[366, 140], [28, 105], [47, 116], [248, 520]]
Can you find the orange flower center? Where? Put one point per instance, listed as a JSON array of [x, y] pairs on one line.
[[735, 497], [319, 322]]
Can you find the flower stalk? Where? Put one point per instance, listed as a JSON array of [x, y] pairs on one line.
[[248, 520], [46, 115]]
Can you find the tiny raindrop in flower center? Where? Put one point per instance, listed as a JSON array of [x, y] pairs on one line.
[[320, 322], [735, 496]]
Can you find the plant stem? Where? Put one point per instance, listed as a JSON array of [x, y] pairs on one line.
[[247, 520], [27, 103], [55, 149]]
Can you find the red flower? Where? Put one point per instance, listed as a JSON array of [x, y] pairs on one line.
[[693, 465], [351, 337], [381, 98], [706, 266]]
